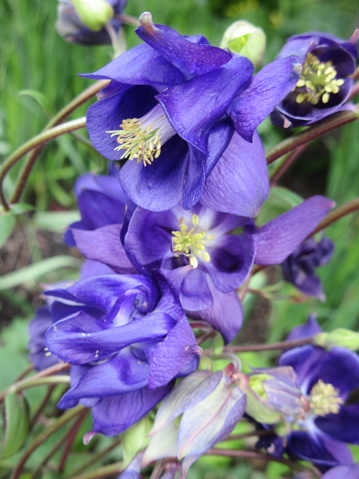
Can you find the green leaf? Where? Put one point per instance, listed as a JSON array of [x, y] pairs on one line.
[[20, 208], [17, 423], [41, 99], [7, 222], [55, 221], [134, 439], [35, 271]]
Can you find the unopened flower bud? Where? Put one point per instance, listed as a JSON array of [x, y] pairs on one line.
[[245, 39], [338, 337], [94, 14]]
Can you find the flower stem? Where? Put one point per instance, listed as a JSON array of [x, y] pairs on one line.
[[128, 20], [58, 118], [319, 129], [38, 140], [57, 368], [105, 471], [258, 455], [98, 456], [287, 163], [70, 439], [42, 404], [61, 421], [269, 347], [335, 215]]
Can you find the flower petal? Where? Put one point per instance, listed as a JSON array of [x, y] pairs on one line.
[[280, 237], [343, 426]]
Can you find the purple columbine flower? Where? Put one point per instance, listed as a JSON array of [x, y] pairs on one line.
[[126, 339], [173, 106], [71, 29], [325, 422], [299, 268], [39, 356], [221, 261], [343, 472], [324, 84]]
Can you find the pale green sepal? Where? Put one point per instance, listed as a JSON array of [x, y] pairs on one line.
[[163, 444], [135, 439], [338, 337], [259, 409], [245, 39], [17, 423], [94, 14]]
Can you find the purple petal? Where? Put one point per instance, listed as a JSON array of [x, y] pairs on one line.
[[193, 107], [195, 294], [190, 58], [239, 182], [280, 237], [121, 374], [104, 245], [267, 89], [82, 339], [136, 67], [172, 354], [159, 186], [231, 261], [195, 178], [343, 426], [90, 268], [310, 328], [318, 448], [343, 472], [112, 415]]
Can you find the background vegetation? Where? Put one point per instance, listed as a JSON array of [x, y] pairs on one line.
[[38, 76]]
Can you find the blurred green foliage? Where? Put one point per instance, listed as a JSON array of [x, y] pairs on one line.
[[38, 76]]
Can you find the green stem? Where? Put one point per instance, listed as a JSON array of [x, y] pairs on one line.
[[258, 455], [41, 382], [58, 118], [38, 140], [61, 421], [336, 215], [269, 347], [105, 471], [57, 368], [98, 456], [42, 404], [319, 129]]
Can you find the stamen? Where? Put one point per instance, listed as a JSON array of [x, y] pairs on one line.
[[317, 81], [324, 399], [191, 243], [142, 138]]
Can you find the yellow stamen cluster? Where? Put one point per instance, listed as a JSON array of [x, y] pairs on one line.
[[317, 81], [324, 399], [141, 143], [191, 243]]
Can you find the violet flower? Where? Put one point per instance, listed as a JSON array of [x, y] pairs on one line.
[[126, 339], [171, 110], [299, 268], [324, 85], [71, 29]]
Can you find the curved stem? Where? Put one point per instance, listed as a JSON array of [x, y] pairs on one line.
[[335, 215], [287, 163], [66, 417], [70, 439], [270, 347], [43, 403], [258, 455], [41, 382], [58, 118], [38, 140], [105, 471], [319, 129], [57, 368], [128, 20], [98, 456]]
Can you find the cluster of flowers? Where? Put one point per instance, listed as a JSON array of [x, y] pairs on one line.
[[170, 236]]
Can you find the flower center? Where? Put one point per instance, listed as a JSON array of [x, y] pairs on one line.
[[142, 138], [324, 399], [191, 243], [317, 81]]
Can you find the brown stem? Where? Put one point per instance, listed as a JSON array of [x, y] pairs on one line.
[[98, 456], [258, 455], [354, 91], [62, 114], [57, 368], [336, 215], [65, 418], [25, 373], [42, 404], [269, 347], [70, 439], [315, 131], [105, 471], [287, 163], [128, 20]]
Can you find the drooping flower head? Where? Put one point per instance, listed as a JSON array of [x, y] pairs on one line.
[[299, 268], [171, 110], [73, 30], [324, 84]]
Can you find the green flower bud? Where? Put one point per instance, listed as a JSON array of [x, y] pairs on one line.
[[94, 14], [245, 39], [258, 406], [338, 337]]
